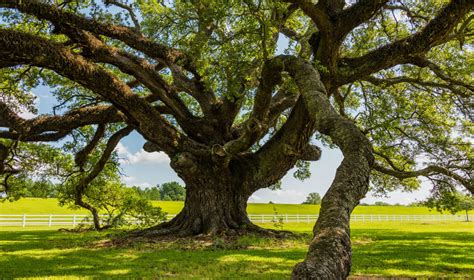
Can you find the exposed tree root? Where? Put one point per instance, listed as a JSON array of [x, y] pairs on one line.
[[172, 231]]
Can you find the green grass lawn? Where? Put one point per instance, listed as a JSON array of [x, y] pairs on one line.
[[441, 249], [50, 206]]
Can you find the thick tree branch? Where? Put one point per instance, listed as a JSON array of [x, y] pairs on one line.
[[81, 157], [383, 82], [147, 75], [46, 126], [122, 33], [403, 50], [426, 172], [316, 13], [330, 249], [420, 61], [39, 52], [355, 15]]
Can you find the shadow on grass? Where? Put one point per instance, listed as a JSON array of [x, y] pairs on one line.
[[404, 253], [376, 252], [49, 254]]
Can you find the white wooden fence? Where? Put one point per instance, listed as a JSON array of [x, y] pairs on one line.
[[24, 220]]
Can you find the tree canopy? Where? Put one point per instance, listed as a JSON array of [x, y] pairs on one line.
[[313, 198], [210, 83], [172, 191]]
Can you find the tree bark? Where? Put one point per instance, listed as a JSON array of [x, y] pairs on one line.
[[216, 198], [329, 255], [330, 252], [214, 208]]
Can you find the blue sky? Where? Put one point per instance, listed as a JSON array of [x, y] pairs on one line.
[[148, 169]]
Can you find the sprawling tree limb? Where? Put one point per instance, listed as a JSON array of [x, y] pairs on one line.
[[421, 61], [426, 172], [316, 13], [255, 125], [32, 50], [45, 127], [81, 157], [330, 252], [403, 50], [355, 15], [147, 75], [122, 33], [160, 52]]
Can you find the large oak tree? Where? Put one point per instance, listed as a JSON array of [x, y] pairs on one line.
[[387, 82]]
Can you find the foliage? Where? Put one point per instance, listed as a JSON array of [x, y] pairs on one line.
[[381, 203], [116, 201], [41, 189], [313, 198], [452, 201], [172, 191], [152, 193]]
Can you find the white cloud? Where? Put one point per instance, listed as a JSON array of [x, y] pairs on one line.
[[255, 198], [133, 181], [290, 194], [148, 158], [122, 150], [128, 179], [143, 185], [140, 157]]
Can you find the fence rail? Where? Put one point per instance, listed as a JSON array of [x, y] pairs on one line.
[[24, 220]]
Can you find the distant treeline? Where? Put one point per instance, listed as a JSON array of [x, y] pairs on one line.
[[381, 203], [171, 191]]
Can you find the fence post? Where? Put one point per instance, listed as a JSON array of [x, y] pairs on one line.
[[24, 220], [50, 221], [263, 219], [297, 218], [74, 220], [286, 217]]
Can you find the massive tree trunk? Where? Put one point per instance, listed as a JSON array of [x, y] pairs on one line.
[[216, 198], [212, 208]]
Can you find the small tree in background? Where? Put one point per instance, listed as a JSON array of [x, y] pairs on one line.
[[117, 202], [452, 201], [313, 198], [381, 203], [172, 191]]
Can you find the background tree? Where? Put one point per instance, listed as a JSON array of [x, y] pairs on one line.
[[41, 189], [152, 193], [112, 204], [381, 203], [172, 191], [313, 198], [452, 201], [387, 82]]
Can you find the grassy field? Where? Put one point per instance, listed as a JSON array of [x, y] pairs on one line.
[[50, 206], [442, 249]]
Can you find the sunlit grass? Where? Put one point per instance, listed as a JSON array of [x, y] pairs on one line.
[[50, 206], [435, 249]]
